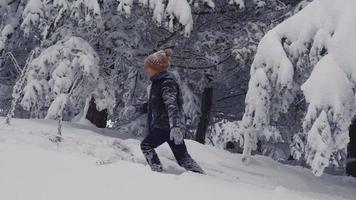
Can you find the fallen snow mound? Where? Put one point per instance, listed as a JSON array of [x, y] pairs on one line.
[[96, 164]]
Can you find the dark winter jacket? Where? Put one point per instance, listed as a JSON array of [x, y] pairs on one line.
[[165, 105]]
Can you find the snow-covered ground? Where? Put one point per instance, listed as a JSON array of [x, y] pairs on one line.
[[101, 164]]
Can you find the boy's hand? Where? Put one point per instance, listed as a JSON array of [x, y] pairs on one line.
[[176, 135]]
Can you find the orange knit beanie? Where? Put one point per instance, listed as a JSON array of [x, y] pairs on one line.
[[159, 61]]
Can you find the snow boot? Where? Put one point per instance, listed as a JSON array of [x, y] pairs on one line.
[[151, 157], [189, 164]]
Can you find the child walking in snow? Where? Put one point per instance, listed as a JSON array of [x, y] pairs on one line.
[[166, 122]]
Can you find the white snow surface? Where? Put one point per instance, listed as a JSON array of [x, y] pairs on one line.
[[34, 168]]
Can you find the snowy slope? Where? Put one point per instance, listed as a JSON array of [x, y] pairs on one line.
[[33, 168]]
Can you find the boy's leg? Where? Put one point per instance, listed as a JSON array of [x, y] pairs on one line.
[[154, 139], [184, 159]]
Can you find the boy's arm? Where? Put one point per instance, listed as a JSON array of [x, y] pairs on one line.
[[169, 95]]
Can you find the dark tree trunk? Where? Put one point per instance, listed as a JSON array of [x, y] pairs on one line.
[[98, 118], [206, 103], [351, 151]]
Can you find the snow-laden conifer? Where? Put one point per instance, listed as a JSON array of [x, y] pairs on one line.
[[310, 53]]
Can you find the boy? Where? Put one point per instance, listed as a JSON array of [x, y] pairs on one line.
[[166, 121]]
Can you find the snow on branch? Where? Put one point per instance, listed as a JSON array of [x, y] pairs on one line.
[[40, 15], [319, 39], [32, 14], [4, 35], [179, 10], [239, 3], [8, 24]]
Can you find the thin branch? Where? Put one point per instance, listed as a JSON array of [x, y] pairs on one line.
[[230, 96], [194, 68], [11, 2], [13, 59]]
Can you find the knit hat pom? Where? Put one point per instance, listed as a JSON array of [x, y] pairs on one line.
[[168, 52], [160, 60]]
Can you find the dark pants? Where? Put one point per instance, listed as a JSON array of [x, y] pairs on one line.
[[157, 137]]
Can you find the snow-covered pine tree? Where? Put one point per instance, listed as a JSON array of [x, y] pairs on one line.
[[232, 81], [64, 76], [309, 54]]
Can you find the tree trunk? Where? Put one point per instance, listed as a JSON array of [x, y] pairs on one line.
[[98, 118], [351, 151], [206, 103]]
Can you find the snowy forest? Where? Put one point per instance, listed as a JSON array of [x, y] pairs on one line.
[[269, 92]]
